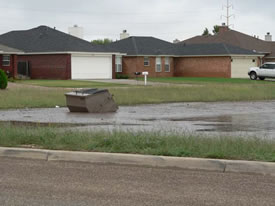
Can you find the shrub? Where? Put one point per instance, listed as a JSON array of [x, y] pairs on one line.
[[122, 76], [3, 80]]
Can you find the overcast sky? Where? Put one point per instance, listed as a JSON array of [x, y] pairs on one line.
[[165, 19]]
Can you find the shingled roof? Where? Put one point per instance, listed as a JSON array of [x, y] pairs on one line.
[[235, 38], [150, 46], [46, 39], [135, 45], [8, 50]]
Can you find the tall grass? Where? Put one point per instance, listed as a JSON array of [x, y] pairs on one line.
[[151, 143]]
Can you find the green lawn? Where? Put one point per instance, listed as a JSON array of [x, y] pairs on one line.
[[68, 83], [37, 97], [204, 80], [150, 143]]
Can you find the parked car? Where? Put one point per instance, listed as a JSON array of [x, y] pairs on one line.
[[267, 70]]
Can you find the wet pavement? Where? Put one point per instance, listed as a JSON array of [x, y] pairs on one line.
[[232, 118]]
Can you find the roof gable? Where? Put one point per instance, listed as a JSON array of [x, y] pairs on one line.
[[9, 50], [149, 46], [235, 38], [142, 46], [46, 39]]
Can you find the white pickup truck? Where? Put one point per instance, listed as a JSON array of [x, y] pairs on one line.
[[267, 70]]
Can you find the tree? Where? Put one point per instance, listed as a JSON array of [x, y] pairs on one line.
[[216, 29], [3, 80], [102, 41], [205, 32]]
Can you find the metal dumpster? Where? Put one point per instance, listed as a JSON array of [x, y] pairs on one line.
[[91, 100]]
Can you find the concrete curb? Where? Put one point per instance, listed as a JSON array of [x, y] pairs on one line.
[[143, 160]]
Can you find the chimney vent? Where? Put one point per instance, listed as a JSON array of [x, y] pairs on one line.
[[76, 31], [124, 35], [268, 37]]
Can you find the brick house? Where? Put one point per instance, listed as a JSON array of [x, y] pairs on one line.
[[47, 53], [8, 59], [164, 59], [228, 36]]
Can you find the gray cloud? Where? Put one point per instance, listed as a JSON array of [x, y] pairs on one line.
[[166, 19]]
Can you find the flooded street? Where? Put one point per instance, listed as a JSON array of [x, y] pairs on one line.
[[232, 118]]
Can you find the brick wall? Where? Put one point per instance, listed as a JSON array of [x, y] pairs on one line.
[[203, 67], [269, 60], [130, 65], [53, 66], [12, 68]]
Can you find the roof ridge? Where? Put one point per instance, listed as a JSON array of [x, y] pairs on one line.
[[135, 45], [226, 48]]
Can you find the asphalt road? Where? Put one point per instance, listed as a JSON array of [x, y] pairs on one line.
[[28, 182]]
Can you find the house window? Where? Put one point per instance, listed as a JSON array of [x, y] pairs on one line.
[[146, 61], [167, 64], [158, 64], [6, 60], [118, 64]]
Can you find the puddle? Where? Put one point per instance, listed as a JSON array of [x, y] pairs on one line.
[[230, 117], [225, 118]]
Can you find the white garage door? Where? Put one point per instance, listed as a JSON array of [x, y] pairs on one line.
[[240, 66], [91, 67]]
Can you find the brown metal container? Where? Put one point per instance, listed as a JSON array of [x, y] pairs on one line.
[[91, 100]]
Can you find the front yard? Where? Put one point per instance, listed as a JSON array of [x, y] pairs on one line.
[[43, 94], [24, 94]]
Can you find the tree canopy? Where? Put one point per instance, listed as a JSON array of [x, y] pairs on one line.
[[214, 31], [102, 41], [205, 32]]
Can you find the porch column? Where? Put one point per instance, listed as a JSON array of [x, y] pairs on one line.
[[14, 69]]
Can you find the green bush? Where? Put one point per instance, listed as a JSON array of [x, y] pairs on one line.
[[122, 76], [3, 80]]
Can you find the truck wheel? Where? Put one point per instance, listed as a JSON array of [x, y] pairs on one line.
[[262, 78], [253, 76]]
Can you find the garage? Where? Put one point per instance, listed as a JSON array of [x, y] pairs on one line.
[[240, 66], [91, 66]]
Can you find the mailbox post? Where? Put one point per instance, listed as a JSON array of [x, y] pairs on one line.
[[145, 77]]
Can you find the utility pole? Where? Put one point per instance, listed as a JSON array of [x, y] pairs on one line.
[[228, 6]]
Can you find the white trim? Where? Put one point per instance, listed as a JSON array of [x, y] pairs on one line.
[[156, 69], [7, 61], [147, 61], [11, 53], [214, 55], [75, 53], [169, 64]]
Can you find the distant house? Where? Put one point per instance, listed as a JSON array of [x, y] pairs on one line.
[[232, 37], [47, 53], [164, 59]]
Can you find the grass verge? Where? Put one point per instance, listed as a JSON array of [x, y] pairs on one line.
[[148, 143], [206, 80], [68, 83], [22, 97]]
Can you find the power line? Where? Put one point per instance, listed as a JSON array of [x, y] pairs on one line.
[[228, 6]]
